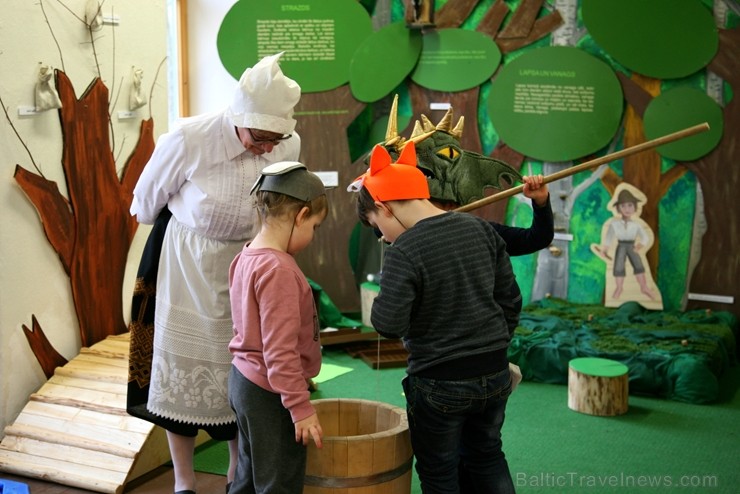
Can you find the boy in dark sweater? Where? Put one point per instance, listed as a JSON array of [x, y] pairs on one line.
[[446, 291]]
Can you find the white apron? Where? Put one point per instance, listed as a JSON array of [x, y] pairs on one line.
[[193, 328]]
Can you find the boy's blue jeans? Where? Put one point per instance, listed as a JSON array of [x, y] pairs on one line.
[[455, 431]]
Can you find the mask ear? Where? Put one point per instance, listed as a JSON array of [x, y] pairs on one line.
[[408, 155], [379, 159]]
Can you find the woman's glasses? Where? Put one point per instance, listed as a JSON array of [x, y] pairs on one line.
[[265, 139]]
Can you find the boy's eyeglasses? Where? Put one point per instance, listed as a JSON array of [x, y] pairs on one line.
[[257, 139]]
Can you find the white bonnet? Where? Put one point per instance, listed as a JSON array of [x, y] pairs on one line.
[[265, 98]]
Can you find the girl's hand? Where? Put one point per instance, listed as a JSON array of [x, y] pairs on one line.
[[307, 429]]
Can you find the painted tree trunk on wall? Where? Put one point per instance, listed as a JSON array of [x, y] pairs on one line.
[[92, 229], [322, 121], [716, 90], [718, 172], [716, 271], [643, 169]]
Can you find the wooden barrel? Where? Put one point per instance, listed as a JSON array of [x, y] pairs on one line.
[[598, 386], [366, 449]]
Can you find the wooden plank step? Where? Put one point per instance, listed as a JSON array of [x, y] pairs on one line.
[[120, 337], [100, 399], [110, 367], [89, 384], [79, 404], [112, 345], [113, 444], [75, 430], [103, 361], [80, 456], [73, 369], [98, 433], [90, 478], [88, 417], [119, 347], [103, 353]]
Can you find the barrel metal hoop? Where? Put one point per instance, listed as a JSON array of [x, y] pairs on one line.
[[347, 482]]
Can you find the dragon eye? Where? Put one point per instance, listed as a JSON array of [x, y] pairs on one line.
[[448, 152]]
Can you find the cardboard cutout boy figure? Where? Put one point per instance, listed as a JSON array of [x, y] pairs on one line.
[[625, 239]]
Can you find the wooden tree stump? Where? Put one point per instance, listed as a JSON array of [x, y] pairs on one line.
[[597, 386]]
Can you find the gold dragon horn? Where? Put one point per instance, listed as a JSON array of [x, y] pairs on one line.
[[391, 133], [446, 121], [427, 124], [419, 133], [458, 130], [418, 130], [446, 125]]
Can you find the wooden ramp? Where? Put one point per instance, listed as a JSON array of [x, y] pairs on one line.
[[75, 430]]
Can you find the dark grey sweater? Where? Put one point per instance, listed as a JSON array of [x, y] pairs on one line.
[[446, 291]]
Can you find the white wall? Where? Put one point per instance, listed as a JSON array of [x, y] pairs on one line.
[[32, 280], [211, 86]]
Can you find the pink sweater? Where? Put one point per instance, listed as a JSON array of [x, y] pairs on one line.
[[276, 328]]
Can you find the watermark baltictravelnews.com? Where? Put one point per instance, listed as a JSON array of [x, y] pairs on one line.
[[618, 480]]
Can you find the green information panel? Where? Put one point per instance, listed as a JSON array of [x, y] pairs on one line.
[[318, 37], [664, 39], [383, 61], [456, 60], [678, 109], [556, 104]]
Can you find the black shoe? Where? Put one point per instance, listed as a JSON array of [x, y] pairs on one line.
[[228, 487]]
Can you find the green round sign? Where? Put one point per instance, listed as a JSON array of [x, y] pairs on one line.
[[680, 108], [456, 60], [318, 37], [556, 103], [383, 61], [664, 39]]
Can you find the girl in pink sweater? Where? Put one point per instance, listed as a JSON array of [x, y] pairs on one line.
[[276, 346]]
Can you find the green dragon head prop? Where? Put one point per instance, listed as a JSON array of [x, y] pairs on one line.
[[456, 177]]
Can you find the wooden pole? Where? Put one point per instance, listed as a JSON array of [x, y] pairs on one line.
[[183, 54], [659, 141]]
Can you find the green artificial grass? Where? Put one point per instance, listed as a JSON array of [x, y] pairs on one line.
[[658, 446]]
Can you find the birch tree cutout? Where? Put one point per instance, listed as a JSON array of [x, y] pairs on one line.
[[136, 97], [46, 94], [625, 239]]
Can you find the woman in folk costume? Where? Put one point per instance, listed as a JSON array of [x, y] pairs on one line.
[[201, 172]]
